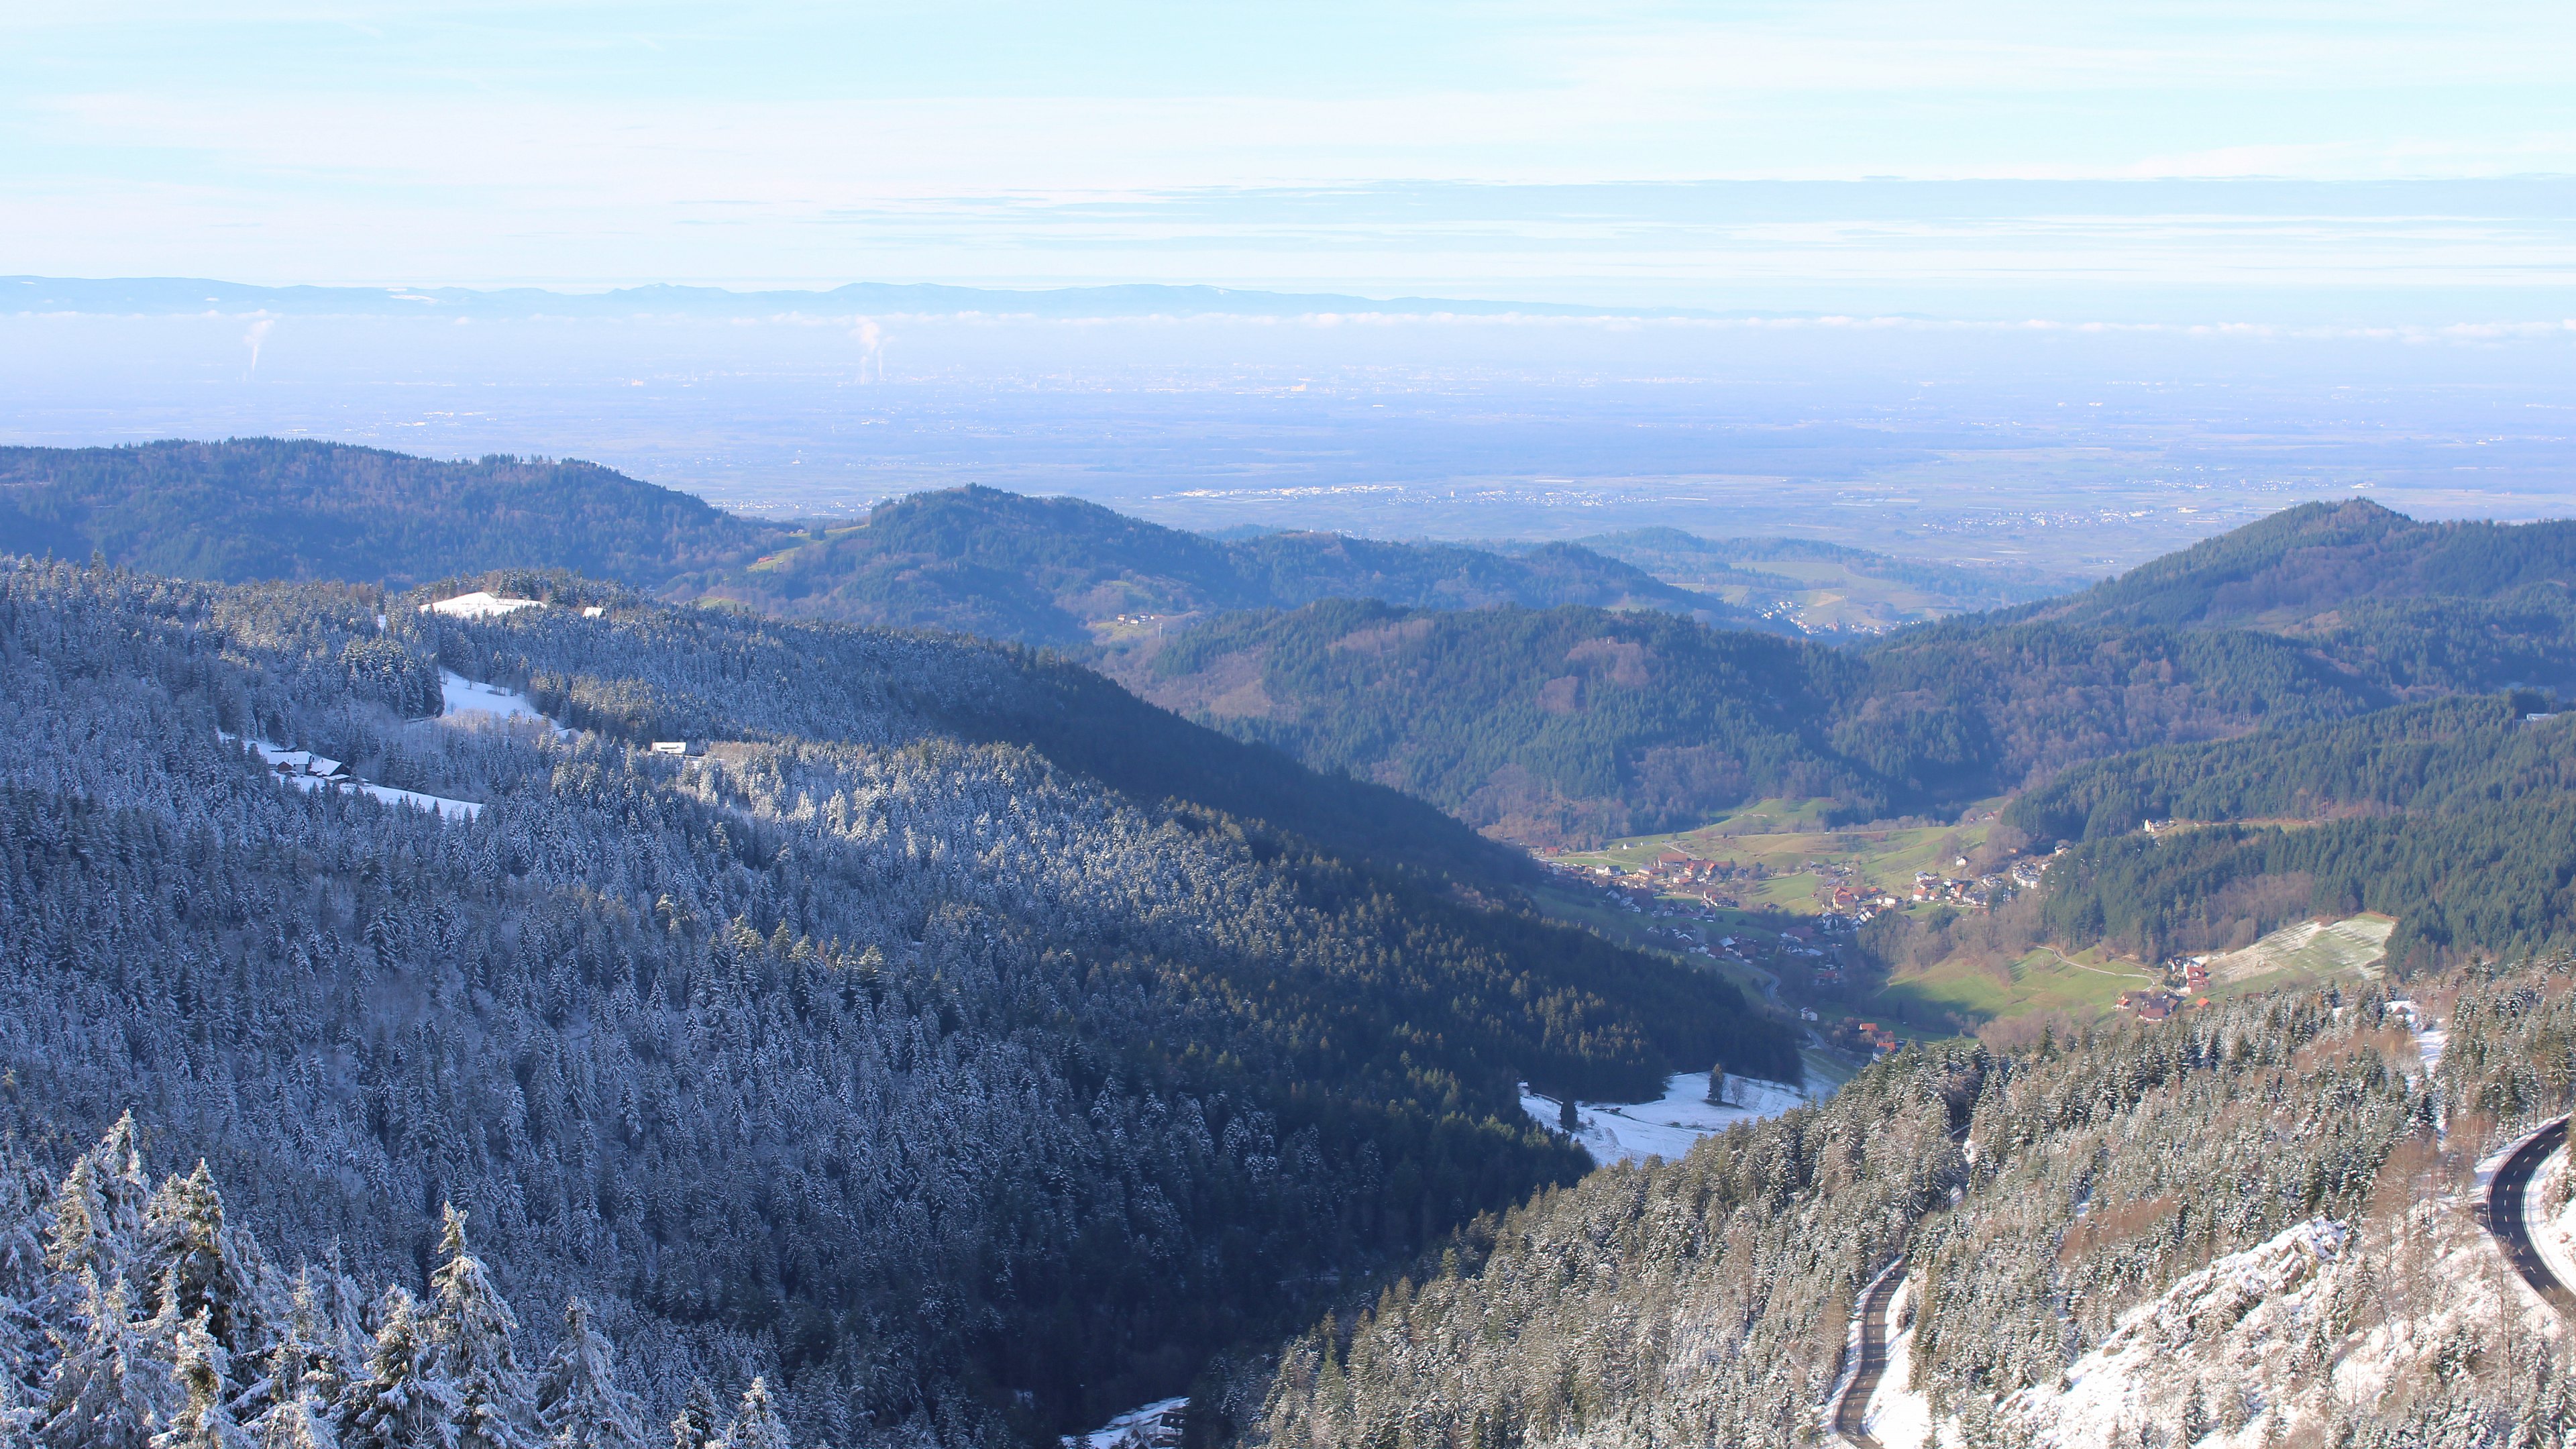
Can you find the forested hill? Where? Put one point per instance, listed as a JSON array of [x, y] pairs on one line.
[[2457, 817], [1575, 724], [1062, 571], [271, 508], [975, 560], [2287, 570], [965, 1098], [1538, 725], [2244, 1226]]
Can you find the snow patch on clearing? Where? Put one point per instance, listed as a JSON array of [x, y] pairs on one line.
[[440, 805], [461, 695], [1899, 1417], [309, 772], [1634, 1131], [1155, 1426], [480, 605]]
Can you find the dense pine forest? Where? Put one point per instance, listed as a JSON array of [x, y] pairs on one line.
[[2454, 817], [272, 508], [956, 1093]]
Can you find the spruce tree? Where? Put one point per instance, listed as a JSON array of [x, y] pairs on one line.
[[756, 1425], [579, 1405], [205, 1421], [401, 1401], [112, 1388], [694, 1427], [470, 1337], [301, 1422], [185, 1249]]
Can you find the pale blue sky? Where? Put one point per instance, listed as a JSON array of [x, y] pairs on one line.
[[1511, 150]]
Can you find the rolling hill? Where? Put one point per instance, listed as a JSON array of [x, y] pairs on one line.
[[1055, 571], [1598, 723], [1068, 573], [270, 508]]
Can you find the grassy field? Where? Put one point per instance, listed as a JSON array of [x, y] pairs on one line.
[[2307, 954], [2085, 986], [1790, 838]]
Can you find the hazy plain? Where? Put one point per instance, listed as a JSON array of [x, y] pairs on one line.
[[2071, 447]]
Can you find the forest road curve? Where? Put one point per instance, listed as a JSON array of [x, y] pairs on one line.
[[1851, 1408], [2507, 1220]]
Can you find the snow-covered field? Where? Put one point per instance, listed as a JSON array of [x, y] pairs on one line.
[[292, 767], [2317, 950], [463, 696], [1155, 1426], [1631, 1132]]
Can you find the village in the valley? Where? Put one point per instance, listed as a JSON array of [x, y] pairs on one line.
[[1779, 902]]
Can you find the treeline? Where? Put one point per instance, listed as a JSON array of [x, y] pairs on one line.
[[963, 1098], [2039, 1197], [2443, 755]]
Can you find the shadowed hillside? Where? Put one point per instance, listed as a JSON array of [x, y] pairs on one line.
[[270, 508]]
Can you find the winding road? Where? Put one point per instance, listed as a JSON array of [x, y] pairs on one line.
[[2507, 1220], [1851, 1407]]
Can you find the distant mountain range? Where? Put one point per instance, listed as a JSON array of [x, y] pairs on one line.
[[1549, 693], [1057, 572], [182, 295]]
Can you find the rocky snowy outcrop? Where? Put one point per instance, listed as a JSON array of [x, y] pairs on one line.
[[2263, 1342]]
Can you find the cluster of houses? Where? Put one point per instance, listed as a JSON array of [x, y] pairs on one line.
[[1876, 1039], [2150, 1005], [2187, 984], [299, 764]]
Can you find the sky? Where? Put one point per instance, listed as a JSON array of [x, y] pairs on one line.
[[2184, 161]]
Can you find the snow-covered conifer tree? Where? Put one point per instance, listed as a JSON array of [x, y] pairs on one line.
[[470, 1335], [401, 1401], [112, 1388], [756, 1425], [205, 1420], [301, 1422], [185, 1249], [695, 1425], [579, 1405]]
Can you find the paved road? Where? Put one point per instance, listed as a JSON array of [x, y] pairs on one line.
[[1853, 1406], [2505, 1219]]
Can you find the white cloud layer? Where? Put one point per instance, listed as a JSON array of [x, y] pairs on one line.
[[1025, 143]]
